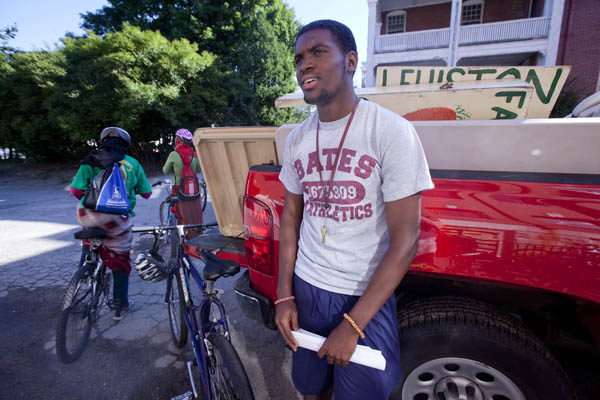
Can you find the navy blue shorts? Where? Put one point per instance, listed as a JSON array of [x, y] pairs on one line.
[[320, 311]]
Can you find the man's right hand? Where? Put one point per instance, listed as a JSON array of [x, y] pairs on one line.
[[286, 314]]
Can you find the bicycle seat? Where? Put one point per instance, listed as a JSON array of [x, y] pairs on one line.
[[217, 267], [91, 233]]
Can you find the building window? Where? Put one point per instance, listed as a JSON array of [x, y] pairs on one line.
[[396, 22], [472, 12]]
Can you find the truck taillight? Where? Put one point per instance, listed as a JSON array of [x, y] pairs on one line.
[[258, 227]]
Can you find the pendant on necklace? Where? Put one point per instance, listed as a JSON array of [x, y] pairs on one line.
[[323, 232], [326, 206]]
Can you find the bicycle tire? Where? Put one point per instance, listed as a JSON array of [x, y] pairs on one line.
[[173, 238], [176, 308], [203, 194], [228, 377], [75, 309], [103, 291], [161, 212]]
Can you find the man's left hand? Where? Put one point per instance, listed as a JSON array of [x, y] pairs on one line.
[[339, 345]]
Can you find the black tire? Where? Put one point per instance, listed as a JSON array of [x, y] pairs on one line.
[[75, 321], [173, 238], [228, 377], [103, 293], [163, 213], [451, 345], [203, 194], [176, 308]]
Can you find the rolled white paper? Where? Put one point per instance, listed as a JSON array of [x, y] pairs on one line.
[[363, 355]]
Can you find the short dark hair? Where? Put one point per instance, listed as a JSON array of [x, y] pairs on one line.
[[340, 32]]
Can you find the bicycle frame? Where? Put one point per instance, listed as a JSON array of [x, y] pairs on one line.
[[198, 329], [97, 274]]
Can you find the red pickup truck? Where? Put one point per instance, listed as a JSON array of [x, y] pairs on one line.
[[508, 266]]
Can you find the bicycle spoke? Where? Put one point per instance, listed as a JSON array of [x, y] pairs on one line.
[[74, 324]]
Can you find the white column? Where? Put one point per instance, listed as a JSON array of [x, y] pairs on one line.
[[455, 15], [372, 33], [555, 9]]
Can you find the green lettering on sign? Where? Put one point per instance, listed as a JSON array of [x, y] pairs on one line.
[[403, 76], [539, 91], [441, 76], [480, 72], [418, 76], [452, 71], [510, 94], [431, 75], [502, 113], [511, 71], [384, 83]]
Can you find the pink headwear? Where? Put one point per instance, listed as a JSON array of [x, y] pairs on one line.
[[184, 134]]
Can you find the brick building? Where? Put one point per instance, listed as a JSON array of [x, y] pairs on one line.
[[486, 32]]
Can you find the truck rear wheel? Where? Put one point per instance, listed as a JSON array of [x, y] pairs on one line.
[[457, 348]]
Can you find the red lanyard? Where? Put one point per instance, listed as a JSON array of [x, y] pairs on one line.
[[337, 156]]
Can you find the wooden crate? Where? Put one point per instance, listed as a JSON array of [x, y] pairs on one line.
[[225, 155]]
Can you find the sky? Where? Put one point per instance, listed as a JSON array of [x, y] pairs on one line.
[[41, 23]]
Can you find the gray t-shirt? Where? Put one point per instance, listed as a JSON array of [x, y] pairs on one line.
[[382, 160]]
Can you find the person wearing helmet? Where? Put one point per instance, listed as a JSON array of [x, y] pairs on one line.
[[188, 212], [114, 144]]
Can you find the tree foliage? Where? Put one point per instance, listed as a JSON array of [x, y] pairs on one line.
[[6, 34], [150, 67], [56, 103], [252, 39]]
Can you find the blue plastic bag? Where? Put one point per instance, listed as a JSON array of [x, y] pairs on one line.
[[107, 193]]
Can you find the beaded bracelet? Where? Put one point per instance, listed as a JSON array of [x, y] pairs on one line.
[[356, 328], [284, 299]]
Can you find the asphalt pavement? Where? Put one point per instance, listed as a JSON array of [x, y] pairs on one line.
[[130, 359]]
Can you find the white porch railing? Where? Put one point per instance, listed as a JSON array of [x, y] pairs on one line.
[[430, 39], [505, 31]]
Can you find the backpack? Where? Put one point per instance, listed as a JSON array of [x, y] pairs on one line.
[[189, 187], [107, 192]]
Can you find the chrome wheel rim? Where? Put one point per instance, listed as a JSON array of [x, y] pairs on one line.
[[458, 379]]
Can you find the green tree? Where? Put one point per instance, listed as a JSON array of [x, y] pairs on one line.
[[26, 124], [6, 135], [253, 40], [6, 34], [56, 103], [134, 79]]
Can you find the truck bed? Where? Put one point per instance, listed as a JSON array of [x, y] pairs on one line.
[[228, 248]]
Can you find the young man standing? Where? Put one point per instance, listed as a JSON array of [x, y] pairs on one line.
[[353, 174]]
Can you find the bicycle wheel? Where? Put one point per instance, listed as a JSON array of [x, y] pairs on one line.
[[75, 321], [203, 194], [173, 238], [176, 307], [163, 213], [228, 378], [102, 293]]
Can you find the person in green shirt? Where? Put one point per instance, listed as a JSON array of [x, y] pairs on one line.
[[183, 148], [116, 248], [190, 211]]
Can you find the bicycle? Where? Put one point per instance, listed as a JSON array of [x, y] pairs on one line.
[[219, 370], [166, 212], [86, 293]]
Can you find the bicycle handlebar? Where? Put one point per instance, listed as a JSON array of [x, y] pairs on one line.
[[158, 183], [169, 228]]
